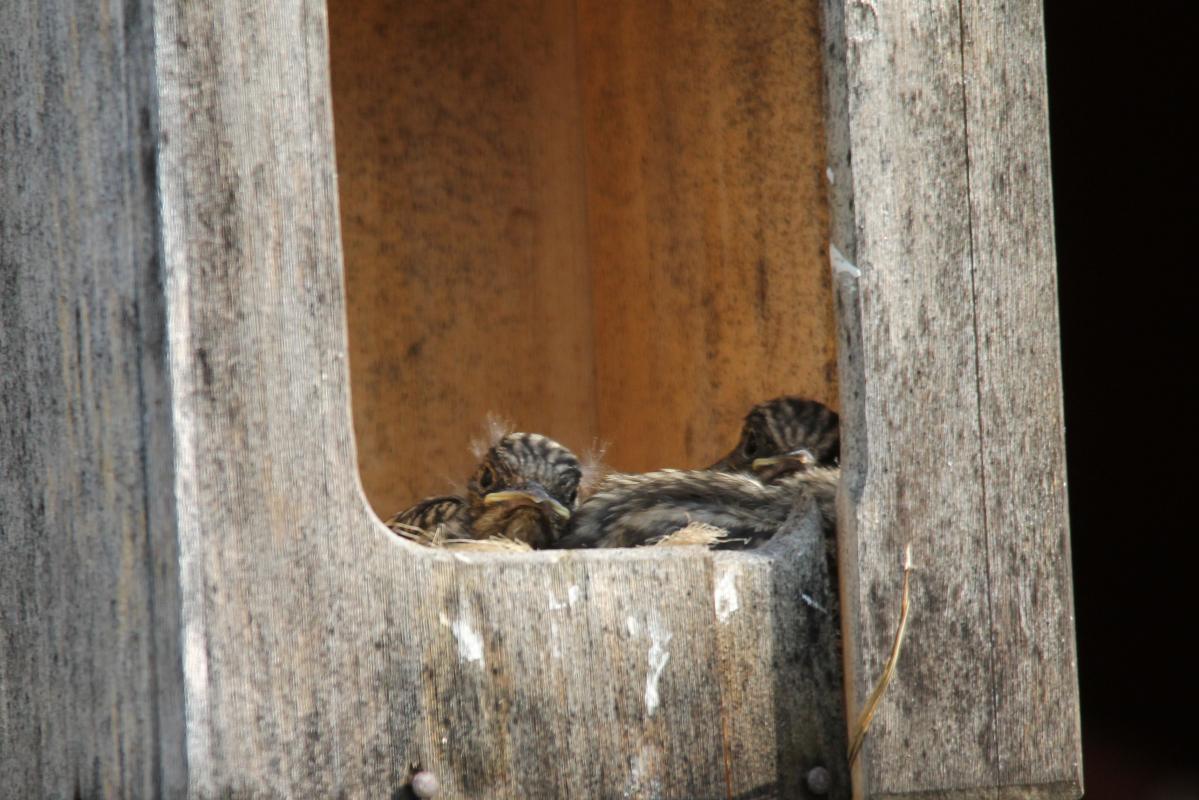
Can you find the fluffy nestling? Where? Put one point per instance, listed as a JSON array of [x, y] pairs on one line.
[[785, 435], [524, 489], [631, 510], [785, 459]]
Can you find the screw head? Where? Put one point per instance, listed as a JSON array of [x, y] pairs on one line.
[[425, 784], [819, 780]]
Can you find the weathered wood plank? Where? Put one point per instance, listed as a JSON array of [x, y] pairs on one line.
[[811, 697], [950, 383], [920, 481], [1038, 740], [90, 688]]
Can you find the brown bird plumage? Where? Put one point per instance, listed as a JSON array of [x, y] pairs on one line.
[[785, 435], [783, 461], [631, 510], [524, 489]]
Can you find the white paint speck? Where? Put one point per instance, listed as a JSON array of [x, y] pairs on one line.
[[572, 597], [841, 264], [726, 598], [828, 173], [808, 599], [632, 626], [658, 656], [470, 643]]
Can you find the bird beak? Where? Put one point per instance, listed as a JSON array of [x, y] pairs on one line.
[[797, 458], [531, 495]]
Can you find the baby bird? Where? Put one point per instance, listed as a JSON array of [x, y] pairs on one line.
[[785, 459], [782, 436], [524, 489], [631, 510]]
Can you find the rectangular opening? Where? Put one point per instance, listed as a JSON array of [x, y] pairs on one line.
[[600, 220]]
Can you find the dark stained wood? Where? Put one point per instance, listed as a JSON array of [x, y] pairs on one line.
[[604, 221], [707, 220], [460, 155], [951, 400]]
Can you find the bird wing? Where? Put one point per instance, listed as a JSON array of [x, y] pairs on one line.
[[630, 510], [428, 516]]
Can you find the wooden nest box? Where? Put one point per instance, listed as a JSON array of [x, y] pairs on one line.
[[605, 220]]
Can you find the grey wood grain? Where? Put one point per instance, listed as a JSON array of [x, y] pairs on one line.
[[1020, 398], [87, 686], [951, 400]]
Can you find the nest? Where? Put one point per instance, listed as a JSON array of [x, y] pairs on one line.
[[695, 534], [438, 538]]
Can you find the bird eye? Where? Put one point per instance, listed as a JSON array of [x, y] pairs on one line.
[[572, 497], [486, 479], [751, 447]]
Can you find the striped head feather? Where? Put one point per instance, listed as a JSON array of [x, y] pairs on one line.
[[781, 427]]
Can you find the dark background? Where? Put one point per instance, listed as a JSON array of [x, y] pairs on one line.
[[1124, 208]]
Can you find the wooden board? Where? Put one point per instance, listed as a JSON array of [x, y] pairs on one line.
[[197, 599], [86, 679], [952, 400]]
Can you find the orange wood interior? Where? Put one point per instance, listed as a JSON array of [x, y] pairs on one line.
[[600, 219]]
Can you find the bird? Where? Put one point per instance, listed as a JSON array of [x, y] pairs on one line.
[[785, 435], [525, 489], [628, 510], [785, 459]]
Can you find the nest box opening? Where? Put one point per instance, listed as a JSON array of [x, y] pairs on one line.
[[599, 220]]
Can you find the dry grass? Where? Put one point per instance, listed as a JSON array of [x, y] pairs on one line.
[[888, 669], [695, 534], [417, 535], [591, 464], [438, 539], [496, 544]]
